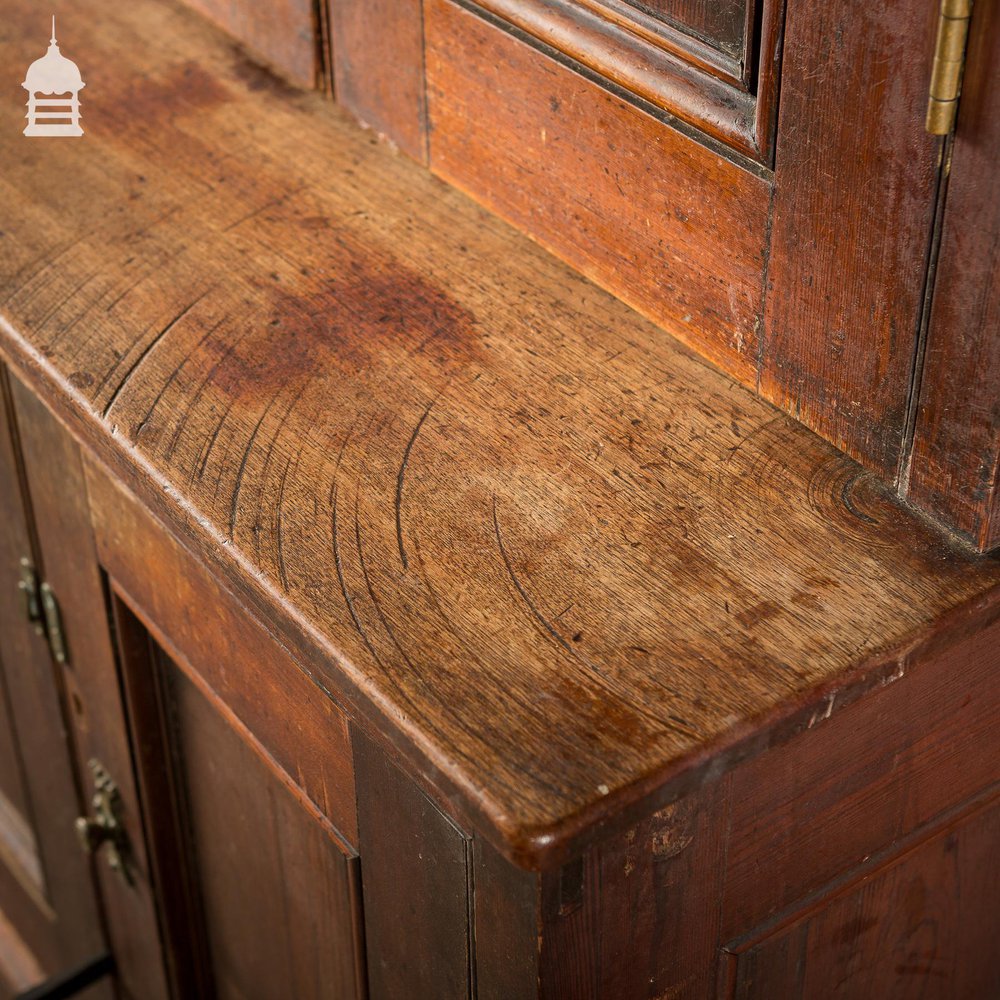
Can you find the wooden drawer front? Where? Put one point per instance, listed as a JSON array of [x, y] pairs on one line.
[[204, 629]]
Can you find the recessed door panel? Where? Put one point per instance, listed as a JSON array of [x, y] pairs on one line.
[[259, 894], [709, 68], [722, 23], [916, 927]]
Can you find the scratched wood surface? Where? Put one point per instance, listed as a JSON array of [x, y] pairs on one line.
[[563, 565]]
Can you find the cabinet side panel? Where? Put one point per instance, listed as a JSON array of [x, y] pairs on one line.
[[859, 833], [415, 869], [919, 926], [863, 779], [956, 450]]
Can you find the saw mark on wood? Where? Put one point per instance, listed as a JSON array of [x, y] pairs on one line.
[[210, 443], [546, 625], [400, 479], [238, 485], [182, 423], [279, 525], [166, 385], [147, 350]]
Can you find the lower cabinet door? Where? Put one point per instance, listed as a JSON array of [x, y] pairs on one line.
[[917, 926], [259, 894], [49, 920]]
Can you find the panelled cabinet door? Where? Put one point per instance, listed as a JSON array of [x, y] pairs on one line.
[[49, 920], [260, 894], [53, 474]]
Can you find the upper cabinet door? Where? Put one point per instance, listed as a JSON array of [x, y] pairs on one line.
[[753, 175], [701, 62], [49, 921]]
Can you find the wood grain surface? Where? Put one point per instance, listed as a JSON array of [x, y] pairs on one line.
[[567, 568]]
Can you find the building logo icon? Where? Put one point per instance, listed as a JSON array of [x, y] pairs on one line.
[[56, 76]]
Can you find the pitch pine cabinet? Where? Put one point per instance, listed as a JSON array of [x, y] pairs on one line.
[[393, 609]]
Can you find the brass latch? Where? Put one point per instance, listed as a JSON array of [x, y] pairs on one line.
[[28, 586], [949, 61], [53, 623], [42, 609], [104, 829]]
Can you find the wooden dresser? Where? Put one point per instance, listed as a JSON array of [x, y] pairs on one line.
[[393, 609]]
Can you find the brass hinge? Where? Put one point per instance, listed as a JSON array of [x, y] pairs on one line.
[[42, 610], [949, 62]]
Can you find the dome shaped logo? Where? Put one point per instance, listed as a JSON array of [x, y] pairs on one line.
[[53, 84]]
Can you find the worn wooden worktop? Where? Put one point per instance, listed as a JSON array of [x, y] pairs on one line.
[[566, 567]]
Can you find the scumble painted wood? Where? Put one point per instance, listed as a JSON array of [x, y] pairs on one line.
[[569, 570]]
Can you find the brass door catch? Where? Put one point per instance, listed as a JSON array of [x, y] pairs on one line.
[[949, 62], [53, 623], [27, 584], [104, 830], [42, 609]]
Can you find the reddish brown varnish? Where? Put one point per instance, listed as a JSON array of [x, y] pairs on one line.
[[546, 659]]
